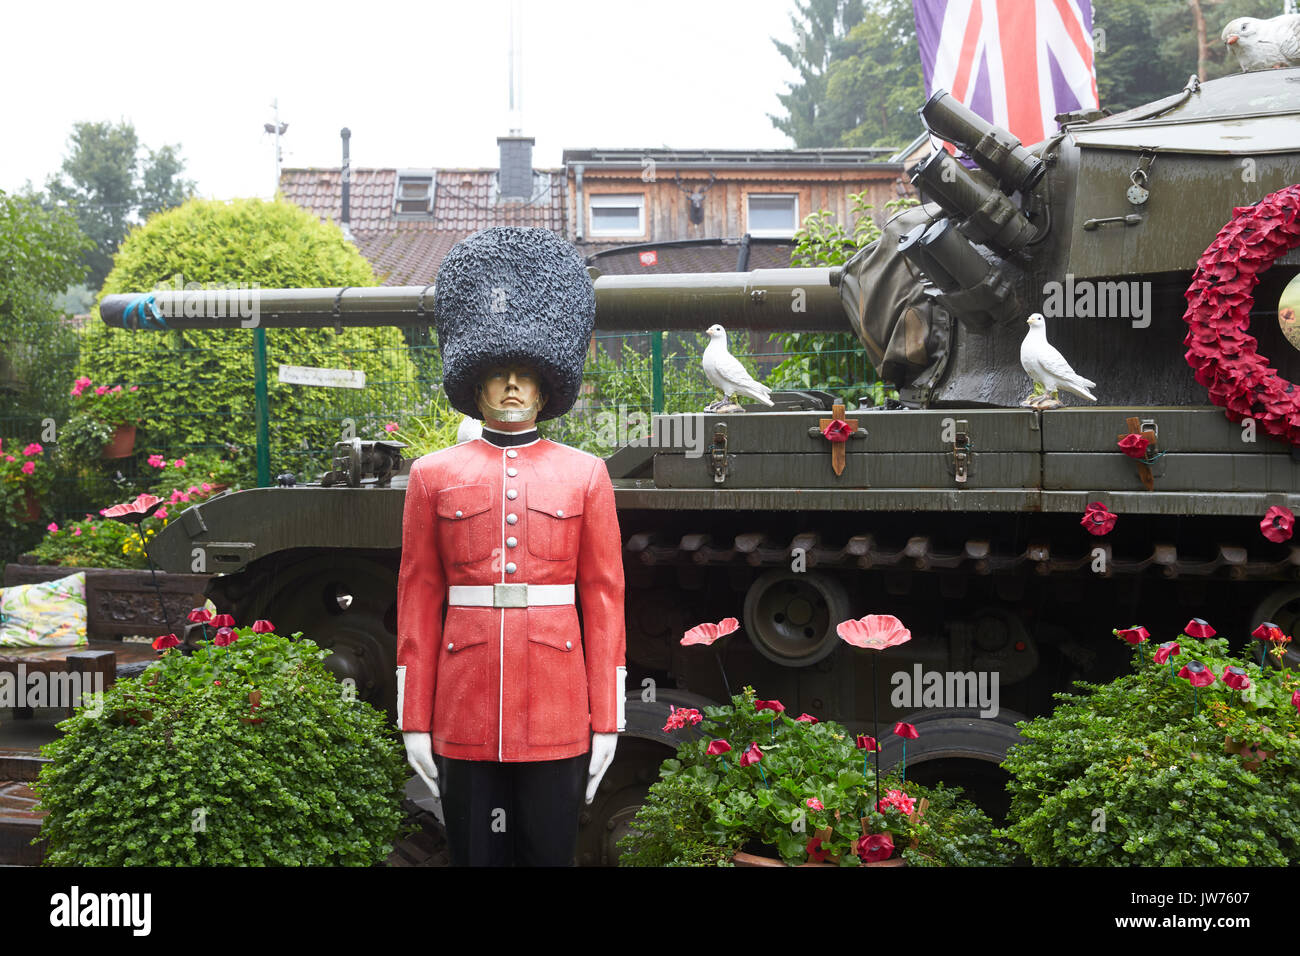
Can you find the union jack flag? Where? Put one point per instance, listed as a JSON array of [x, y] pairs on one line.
[[1017, 63]]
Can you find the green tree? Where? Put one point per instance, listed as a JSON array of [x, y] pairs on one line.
[[109, 186], [199, 385], [875, 87], [819, 31]]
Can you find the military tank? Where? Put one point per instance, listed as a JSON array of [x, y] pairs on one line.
[[955, 508]]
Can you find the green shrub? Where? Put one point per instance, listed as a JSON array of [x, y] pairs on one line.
[[1123, 774], [811, 784], [250, 754], [199, 384]]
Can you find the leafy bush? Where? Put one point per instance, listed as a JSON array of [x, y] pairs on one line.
[[24, 471], [200, 383], [809, 796], [249, 754], [1145, 770]]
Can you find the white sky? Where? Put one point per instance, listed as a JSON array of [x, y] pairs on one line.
[[419, 84]]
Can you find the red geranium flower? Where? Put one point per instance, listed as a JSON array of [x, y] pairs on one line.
[[1134, 635], [1235, 677], [874, 632], [1097, 520], [815, 852], [133, 512], [263, 627], [866, 743], [223, 620], [225, 637], [1165, 651], [681, 716], [814, 804], [200, 615], [1198, 628], [166, 641], [808, 719], [707, 633], [1278, 524], [1135, 446], [751, 755], [905, 730], [717, 747], [875, 847], [1197, 674], [774, 705], [898, 800]]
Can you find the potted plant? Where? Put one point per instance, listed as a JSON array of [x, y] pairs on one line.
[[103, 422], [750, 781], [1189, 760], [25, 478]]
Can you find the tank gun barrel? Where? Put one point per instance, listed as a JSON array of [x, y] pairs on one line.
[[768, 299]]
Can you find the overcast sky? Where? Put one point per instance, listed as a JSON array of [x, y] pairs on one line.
[[419, 84]]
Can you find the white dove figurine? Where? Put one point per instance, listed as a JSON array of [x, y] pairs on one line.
[[1048, 368], [1264, 44], [725, 371]]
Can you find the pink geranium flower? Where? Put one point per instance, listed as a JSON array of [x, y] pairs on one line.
[[179, 463], [391, 427], [814, 804], [76, 532], [52, 528], [28, 467], [158, 461], [33, 449], [101, 389]]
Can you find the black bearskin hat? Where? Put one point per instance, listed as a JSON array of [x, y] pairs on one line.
[[513, 295]]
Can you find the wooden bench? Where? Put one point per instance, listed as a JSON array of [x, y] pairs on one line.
[[19, 822]]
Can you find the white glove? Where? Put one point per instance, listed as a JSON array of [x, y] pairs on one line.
[[419, 754], [602, 755]]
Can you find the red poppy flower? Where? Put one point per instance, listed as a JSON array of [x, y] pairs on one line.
[[707, 633], [751, 755], [1197, 627], [225, 637], [875, 847], [815, 852], [1165, 651], [866, 743], [133, 512], [1135, 446], [1097, 520], [1134, 635], [807, 719], [905, 730], [837, 429], [773, 705], [1197, 674], [263, 627], [166, 641], [223, 620], [1278, 524], [1235, 677], [200, 615], [1268, 631], [874, 632], [814, 804], [717, 747]]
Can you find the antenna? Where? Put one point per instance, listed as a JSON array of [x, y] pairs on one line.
[[277, 129], [515, 69]]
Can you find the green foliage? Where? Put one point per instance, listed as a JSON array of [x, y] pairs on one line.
[[1123, 774], [40, 255], [108, 186], [706, 807], [201, 383], [250, 754], [433, 427], [25, 473]]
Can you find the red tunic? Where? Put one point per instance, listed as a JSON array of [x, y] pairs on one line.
[[510, 683]]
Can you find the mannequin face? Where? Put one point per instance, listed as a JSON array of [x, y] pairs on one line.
[[510, 387]]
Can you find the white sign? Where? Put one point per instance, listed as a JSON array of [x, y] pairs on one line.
[[329, 377]]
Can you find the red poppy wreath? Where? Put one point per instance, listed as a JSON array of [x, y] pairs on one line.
[[1219, 345]]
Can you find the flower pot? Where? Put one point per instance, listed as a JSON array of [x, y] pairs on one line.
[[753, 859], [31, 507], [122, 442], [1251, 756]]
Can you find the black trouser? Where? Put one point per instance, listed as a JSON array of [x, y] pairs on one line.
[[512, 814]]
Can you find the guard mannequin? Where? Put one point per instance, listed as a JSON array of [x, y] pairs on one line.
[[508, 708]]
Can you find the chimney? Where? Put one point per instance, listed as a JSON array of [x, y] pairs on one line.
[[515, 177], [346, 216]]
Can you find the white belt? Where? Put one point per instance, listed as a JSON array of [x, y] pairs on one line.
[[509, 594]]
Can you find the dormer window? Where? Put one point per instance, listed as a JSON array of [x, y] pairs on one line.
[[414, 193]]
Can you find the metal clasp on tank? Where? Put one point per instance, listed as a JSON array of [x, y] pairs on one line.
[[718, 452], [961, 452]]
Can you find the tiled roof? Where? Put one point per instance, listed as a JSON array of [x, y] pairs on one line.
[[407, 250]]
